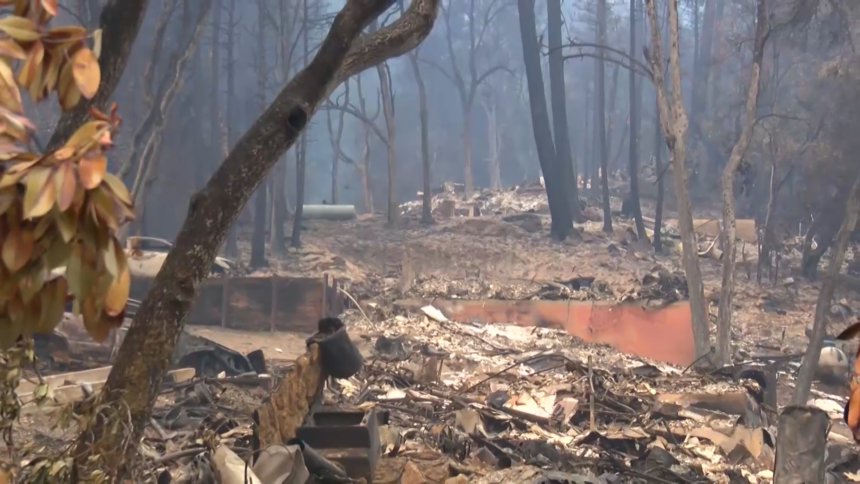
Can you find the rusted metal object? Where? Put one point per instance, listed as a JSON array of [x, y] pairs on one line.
[[664, 334], [246, 303]]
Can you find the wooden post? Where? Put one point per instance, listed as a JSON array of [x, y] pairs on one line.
[[800, 444], [225, 300], [274, 304], [325, 297]]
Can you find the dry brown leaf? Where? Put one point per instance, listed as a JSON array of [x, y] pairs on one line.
[[52, 64], [10, 48], [40, 194], [85, 68], [65, 34], [8, 196], [21, 29], [10, 96], [92, 168], [86, 135], [50, 6], [118, 188], [53, 304], [65, 184], [117, 294], [30, 66], [17, 249], [67, 224], [71, 98]]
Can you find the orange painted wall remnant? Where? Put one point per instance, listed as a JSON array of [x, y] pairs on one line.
[[664, 334]]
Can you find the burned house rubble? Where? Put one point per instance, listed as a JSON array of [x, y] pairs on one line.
[[397, 362]]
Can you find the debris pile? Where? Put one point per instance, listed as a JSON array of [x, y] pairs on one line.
[[529, 197]]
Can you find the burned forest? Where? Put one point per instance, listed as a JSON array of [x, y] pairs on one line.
[[429, 241]]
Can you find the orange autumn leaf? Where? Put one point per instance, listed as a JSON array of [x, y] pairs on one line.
[[92, 169], [85, 69], [852, 408], [17, 249], [65, 184]]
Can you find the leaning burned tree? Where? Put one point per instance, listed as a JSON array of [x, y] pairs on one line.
[[137, 374]]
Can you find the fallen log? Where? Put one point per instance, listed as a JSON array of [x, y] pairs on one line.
[[800, 445], [328, 212]]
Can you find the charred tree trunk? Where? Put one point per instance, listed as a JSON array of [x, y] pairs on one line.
[[232, 248], [587, 140], [635, 105], [215, 91], [724, 326], [302, 157], [423, 119], [825, 297], [601, 119], [559, 110], [801, 445], [494, 141], [258, 240], [393, 212], [661, 187], [558, 207], [701, 76], [136, 377], [336, 136], [363, 164], [673, 121]]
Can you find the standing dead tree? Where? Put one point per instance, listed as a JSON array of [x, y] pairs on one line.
[[149, 136], [286, 22], [559, 109], [387, 94], [258, 239], [561, 222], [724, 326], [423, 119], [138, 371], [335, 135], [467, 85], [673, 122]]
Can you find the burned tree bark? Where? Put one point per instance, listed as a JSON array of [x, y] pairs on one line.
[[215, 91], [559, 109], [724, 326], [825, 297], [673, 122], [393, 209], [302, 154], [800, 445], [600, 124], [635, 101], [120, 22], [138, 371], [258, 239], [423, 119], [232, 247], [336, 135], [493, 140], [561, 224]]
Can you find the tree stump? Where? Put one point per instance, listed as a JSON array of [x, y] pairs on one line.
[[800, 445]]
